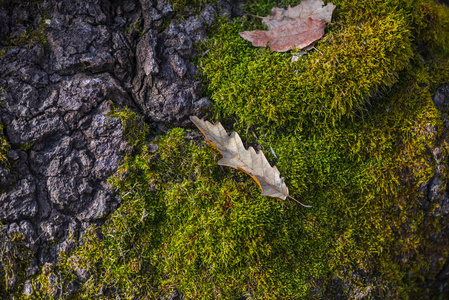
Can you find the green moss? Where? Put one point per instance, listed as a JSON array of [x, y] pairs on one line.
[[352, 130], [4, 148], [135, 129], [359, 57], [431, 24], [33, 34], [183, 6], [26, 147], [183, 222], [349, 130], [136, 27], [14, 258], [4, 145]]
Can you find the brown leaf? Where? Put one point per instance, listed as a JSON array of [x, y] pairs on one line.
[[299, 34], [306, 9], [297, 26], [236, 156]]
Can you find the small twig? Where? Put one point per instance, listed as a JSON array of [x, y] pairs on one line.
[[318, 50], [298, 201], [205, 52], [254, 16]]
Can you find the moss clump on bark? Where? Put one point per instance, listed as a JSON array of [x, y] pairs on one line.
[[4, 149], [186, 6], [34, 33], [352, 130], [14, 258]]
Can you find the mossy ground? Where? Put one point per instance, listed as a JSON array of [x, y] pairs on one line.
[[352, 129]]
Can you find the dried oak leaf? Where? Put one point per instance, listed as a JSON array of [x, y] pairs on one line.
[[236, 156], [298, 26]]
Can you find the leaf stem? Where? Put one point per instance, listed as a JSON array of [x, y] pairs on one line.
[[298, 201]]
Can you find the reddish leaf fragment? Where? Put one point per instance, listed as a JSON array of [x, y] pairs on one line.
[[307, 9], [298, 26], [299, 34]]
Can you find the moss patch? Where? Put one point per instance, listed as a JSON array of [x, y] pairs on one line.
[[4, 148], [14, 258], [352, 130], [34, 33], [181, 7], [4, 145]]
